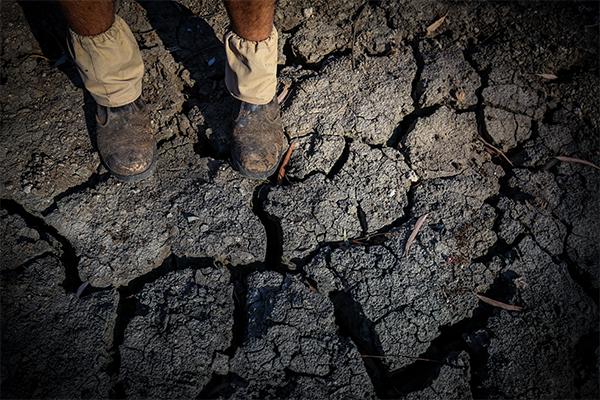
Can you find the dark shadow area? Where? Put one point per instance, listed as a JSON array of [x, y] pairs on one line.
[[69, 258], [50, 29], [130, 307], [192, 42], [468, 335], [272, 229]]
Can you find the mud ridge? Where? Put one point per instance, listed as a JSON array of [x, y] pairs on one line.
[[240, 322], [68, 258], [452, 338], [337, 167], [420, 374], [125, 312], [91, 183]]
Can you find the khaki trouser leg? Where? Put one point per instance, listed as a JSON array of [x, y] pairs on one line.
[[110, 64], [251, 68]]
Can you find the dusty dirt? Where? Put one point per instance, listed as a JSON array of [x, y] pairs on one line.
[[199, 283]]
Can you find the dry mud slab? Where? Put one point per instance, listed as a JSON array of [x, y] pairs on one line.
[[198, 283]]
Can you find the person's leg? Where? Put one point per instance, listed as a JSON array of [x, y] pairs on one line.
[[251, 77], [251, 20], [88, 18], [111, 67]]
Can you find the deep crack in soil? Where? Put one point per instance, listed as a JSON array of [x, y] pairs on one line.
[[285, 322]]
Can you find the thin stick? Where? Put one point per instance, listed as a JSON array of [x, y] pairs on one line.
[[354, 34], [401, 358], [284, 164], [497, 149]]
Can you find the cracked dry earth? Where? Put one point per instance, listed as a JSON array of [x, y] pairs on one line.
[[203, 284]]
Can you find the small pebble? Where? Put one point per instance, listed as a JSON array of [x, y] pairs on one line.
[[307, 12]]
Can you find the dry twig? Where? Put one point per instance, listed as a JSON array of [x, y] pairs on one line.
[[400, 358], [496, 149]]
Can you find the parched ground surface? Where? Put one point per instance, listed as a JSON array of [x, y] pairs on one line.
[[198, 283]]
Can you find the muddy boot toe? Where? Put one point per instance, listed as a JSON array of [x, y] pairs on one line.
[[257, 139], [125, 141]]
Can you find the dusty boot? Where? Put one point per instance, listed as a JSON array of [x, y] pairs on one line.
[[111, 67], [251, 78], [257, 139], [125, 141]]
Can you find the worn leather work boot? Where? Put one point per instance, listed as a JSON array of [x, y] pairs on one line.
[[125, 141], [257, 139]]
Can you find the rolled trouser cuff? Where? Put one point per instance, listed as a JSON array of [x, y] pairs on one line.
[[110, 64], [251, 68]]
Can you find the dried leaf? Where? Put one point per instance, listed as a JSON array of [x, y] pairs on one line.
[[284, 164], [460, 96], [413, 235], [81, 289], [498, 304], [283, 94], [550, 77], [436, 24], [575, 160], [496, 149]]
